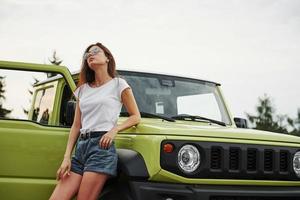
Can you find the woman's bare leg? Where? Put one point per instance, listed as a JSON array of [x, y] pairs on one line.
[[91, 185], [67, 187]]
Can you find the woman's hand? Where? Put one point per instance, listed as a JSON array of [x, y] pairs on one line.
[[108, 138], [64, 168]]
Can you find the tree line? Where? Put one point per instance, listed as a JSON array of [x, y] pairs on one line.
[[266, 118]]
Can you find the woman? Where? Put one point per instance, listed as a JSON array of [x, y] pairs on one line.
[[100, 95]]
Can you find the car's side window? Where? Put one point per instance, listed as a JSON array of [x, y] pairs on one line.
[[43, 105], [27, 95]]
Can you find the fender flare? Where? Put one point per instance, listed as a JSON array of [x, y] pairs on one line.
[[132, 164]]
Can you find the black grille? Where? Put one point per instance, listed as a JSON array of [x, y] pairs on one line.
[[268, 160], [284, 160], [215, 158], [251, 160], [238, 161], [234, 157]]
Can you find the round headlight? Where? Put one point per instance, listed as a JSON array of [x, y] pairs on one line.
[[188, 158], [296, 163]]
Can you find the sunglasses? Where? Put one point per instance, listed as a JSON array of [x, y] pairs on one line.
[[91, 53]]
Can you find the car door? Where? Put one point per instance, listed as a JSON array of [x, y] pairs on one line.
[[32, 142]]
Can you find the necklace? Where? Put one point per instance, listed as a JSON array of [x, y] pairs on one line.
[[94, 84]]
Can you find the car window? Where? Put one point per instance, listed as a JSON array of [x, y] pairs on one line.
[[170, 96], [26, 95], [43, 105]]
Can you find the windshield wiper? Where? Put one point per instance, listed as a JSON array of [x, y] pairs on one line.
[[146, 114], [196, 117]]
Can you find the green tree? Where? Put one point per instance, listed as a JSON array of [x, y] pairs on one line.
[[295, 124], [55, 60], [31, 93], [3, 111], [265, 119]]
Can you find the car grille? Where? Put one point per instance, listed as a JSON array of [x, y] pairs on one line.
[[270, 161], [239, 161]]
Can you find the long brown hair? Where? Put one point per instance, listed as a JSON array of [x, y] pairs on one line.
[[88, 75]]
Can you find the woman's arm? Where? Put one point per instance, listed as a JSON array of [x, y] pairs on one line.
[[65, 167], [132, 109], [133, 119], [74, 132]]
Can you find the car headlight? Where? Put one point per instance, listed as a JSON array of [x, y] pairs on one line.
[[188, 158], [296, 163]]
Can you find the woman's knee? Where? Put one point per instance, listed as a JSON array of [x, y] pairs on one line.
[[67, 188], [91, 185]]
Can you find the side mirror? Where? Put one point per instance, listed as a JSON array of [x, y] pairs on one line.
[[70, 112], [240, 122]]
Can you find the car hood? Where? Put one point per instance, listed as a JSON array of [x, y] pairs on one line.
[[199, 129]]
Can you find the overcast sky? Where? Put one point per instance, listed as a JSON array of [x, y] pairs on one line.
[[250, 46]]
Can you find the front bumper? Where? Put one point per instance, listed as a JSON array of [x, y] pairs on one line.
[[170, 191]]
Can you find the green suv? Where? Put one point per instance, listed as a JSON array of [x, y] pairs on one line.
[[187, 146]]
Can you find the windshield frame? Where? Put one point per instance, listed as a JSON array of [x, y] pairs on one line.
[[124, 73]]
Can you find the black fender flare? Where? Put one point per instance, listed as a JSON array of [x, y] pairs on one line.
[[132, 164]]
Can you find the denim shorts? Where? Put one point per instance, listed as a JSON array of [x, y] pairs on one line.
[[89, 156]]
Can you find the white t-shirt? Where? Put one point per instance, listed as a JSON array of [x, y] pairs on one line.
[[100, 106]]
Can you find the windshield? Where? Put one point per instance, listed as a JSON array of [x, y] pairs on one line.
[[170, 96]]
